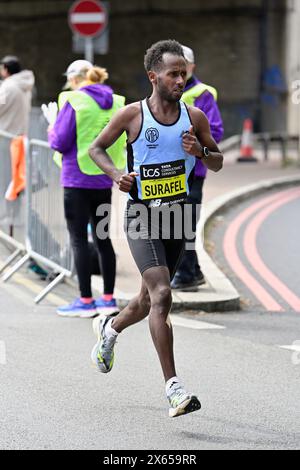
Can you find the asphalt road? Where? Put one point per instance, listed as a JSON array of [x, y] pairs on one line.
[[257, 242], [52, 398]]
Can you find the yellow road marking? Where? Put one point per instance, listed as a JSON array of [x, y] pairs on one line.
[[35, 288]]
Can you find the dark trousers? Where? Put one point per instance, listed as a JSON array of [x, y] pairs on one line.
[[80, 210], [189, 265]]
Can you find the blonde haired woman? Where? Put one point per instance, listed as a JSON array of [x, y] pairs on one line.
[[84, 112]]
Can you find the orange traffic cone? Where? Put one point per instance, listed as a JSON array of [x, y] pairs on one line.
[[246, 154]]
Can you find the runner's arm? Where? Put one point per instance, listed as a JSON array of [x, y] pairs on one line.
[[199, 136]]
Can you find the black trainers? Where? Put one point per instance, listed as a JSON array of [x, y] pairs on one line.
[[178, 284], [200, 279]]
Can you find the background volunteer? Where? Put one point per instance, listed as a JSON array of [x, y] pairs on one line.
[[84, 113], [204, 97]]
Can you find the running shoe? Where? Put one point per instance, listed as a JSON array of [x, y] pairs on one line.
[[78, 309], [106, 307], [181, 402], [103, 352]]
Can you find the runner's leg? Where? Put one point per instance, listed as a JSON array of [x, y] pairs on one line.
[[137, 309], [157, 280]]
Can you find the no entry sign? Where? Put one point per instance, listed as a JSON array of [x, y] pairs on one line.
[[88, 18]]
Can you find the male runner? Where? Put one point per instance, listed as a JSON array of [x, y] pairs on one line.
[[164, 137]]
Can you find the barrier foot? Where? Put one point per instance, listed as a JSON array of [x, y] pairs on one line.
[[10, 259], [16, 268], [49, 288]]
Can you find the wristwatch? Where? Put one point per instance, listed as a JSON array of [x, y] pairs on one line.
[[206, 152]]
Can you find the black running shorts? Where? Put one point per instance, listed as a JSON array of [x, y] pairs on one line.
[[155, 235]]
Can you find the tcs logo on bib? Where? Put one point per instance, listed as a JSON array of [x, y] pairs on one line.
[[151, 172]]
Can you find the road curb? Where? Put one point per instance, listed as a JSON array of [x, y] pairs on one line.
[[225, 297]]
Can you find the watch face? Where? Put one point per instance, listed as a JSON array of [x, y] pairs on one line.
[[206, 151]]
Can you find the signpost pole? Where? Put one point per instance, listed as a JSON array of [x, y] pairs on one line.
[[89, 49]]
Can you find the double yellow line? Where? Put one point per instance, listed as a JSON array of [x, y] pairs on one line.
[[19, 279]]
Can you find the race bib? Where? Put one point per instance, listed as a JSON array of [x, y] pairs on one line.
[[164, 182]]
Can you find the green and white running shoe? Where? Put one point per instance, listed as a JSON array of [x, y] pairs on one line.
[[103, 352], [181, 402]]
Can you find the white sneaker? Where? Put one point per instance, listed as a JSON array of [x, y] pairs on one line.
[[103, 352], [181, 402]]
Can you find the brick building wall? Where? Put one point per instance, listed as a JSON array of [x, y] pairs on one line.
[[232, 39]]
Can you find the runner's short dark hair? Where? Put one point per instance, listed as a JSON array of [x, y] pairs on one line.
[[154, 55]]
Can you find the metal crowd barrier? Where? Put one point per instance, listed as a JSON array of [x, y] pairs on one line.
[[12, 219], [47, 240], [37, 125]]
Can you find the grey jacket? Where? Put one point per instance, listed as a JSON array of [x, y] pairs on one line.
[[15, 102]]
